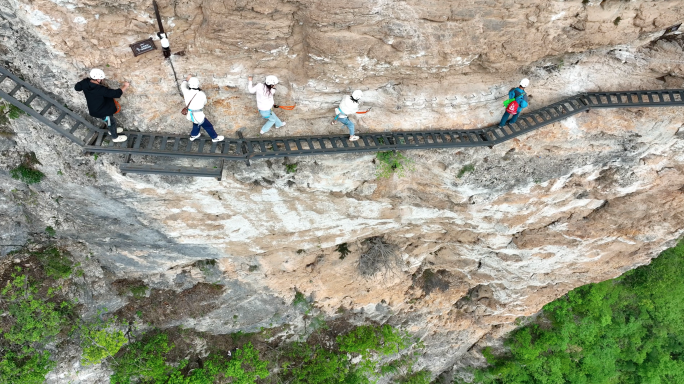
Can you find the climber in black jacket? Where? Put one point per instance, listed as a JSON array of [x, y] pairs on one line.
[[101, 103]]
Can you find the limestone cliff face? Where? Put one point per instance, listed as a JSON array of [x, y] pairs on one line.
[[576, 202]]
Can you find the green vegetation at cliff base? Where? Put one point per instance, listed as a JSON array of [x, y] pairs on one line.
[[627, 330]]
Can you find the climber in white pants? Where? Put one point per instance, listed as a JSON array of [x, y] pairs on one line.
[[348, 106]]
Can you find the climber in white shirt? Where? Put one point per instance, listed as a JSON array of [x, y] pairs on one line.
[[348, 106], [195, 100], [264, 97]]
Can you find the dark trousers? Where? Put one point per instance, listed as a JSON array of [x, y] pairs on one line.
[[207, 127], [506, 115], [112, 126]]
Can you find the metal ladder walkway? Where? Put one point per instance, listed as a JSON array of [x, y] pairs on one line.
[[94, 139]]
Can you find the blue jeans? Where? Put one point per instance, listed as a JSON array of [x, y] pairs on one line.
[[207, 127], [504, 119], [348, 123], [272, 119]]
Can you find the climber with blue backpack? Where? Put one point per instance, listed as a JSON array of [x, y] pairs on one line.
[[517, 100]]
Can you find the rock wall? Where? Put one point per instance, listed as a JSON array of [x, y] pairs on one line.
[[579, 201]]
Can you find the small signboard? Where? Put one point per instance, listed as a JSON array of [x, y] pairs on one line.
[[143, 46]]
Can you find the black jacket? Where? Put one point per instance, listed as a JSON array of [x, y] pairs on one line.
[[100, 98]]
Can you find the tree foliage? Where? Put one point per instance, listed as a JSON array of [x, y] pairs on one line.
[[100, 340], [627, 330], [145, 361], [33, 320], [352, 361]]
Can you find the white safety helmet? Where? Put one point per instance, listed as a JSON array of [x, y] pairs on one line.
[[271, 80], [524, 82], [357, 94], [193, 82], [97, 74]]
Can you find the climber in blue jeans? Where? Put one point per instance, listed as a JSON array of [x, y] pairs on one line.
[[264, 97], [520, 97]]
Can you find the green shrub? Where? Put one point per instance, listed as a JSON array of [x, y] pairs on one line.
[[29, 323], [343, 250], [100, 340], [244, 367], [26, 368], [27, 174], [300, 302], [420, 377], [144, 361], [138, 291], [392, 162], [466, 168], [625, 330], [384, 340], [57, 265], [50, 231], [316, 365], [34, 319], [15, 112], [291, 168]]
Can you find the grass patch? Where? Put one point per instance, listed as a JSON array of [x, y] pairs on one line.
[[55, 262], [27, 174], [392, 162], [291, 168], [138, 291], [25, 171]]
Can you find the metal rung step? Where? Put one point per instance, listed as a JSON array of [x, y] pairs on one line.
[[30, 99], [59, 119], [75, 127], [15, 89], [172, 170]]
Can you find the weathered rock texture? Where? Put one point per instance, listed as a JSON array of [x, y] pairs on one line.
[[576, 202]]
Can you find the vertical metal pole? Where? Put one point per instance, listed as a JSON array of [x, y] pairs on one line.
[[156, 12]]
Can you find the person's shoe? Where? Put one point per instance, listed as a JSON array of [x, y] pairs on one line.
[[217, 139], [282, 125], [262, 132], [193, 138], [353, 138], [120, 139]]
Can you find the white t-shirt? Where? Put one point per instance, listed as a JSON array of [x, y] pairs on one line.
[[199, 100], [264, 100], [347, 107]]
